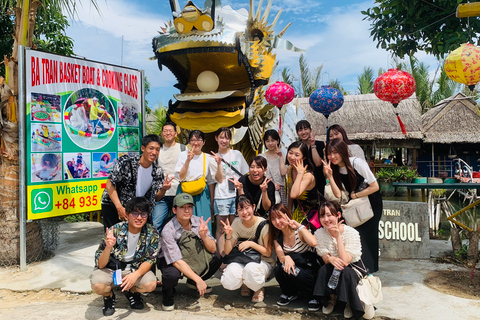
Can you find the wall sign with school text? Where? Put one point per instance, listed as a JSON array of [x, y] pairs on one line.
[[81, 117]]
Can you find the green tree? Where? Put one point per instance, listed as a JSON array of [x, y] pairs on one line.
[[407, 26], [365, 81], [156, 120], [310, 81], [50, 32], [146, 84], [337, 85]]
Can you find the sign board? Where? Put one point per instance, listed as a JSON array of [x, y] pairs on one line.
[[81, 117], [404, 230]]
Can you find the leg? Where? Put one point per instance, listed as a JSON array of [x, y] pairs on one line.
[[102, 284], [219, 234], [232, 277], [160, 212], [255, 274], [285, 281], [170, 276], [213, 266]]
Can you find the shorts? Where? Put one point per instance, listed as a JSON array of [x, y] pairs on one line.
[[224, 207], [105, 276]]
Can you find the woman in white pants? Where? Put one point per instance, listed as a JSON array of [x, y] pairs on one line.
[[251, 276]]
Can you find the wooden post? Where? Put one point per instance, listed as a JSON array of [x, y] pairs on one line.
[[472, 252]]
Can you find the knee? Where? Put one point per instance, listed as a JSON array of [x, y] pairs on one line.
[[101, 288], [148, 287]]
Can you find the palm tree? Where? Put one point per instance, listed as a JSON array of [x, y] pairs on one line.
[[24, 26], [337, 85], [310, 81], [365, 81]]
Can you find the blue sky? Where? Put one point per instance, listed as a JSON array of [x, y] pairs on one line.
[[332, 32]]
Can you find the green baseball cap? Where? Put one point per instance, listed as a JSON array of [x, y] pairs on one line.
[[182, 199]]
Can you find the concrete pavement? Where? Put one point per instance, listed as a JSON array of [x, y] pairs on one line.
[[405, 295]]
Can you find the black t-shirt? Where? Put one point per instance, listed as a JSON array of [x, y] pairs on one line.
[[320, 180], [255, 192]]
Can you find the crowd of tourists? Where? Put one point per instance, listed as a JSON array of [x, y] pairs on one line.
[[195, 215]]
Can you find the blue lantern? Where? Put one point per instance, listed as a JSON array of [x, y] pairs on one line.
[[326, 100]]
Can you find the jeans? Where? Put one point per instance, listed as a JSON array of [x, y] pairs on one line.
[[160, 212]]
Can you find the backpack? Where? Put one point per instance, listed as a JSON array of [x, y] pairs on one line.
[[194, 252]]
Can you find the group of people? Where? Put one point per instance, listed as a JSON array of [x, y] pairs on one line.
[[272, 218], [85, 115]]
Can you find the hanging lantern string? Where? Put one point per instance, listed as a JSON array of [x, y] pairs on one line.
[[402, 126]]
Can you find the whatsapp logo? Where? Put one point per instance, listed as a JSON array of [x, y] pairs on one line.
[[42, 200]]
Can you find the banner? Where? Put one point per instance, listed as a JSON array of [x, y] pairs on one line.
[[81, 117]]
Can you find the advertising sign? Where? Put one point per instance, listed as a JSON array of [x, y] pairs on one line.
[[81, 117]]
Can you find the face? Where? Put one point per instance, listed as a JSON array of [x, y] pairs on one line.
[[223, 140], [183, 213], [151, 151], [329, 219], [335, 158], [246, 211], [271, 144], [334, 134], [256, 172], [304, 133], [197, 144], [293, 155], [278, 220], [168, 133], [139, 221]]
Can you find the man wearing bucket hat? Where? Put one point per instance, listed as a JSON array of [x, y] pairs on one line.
[[187, 248], [95, 109]]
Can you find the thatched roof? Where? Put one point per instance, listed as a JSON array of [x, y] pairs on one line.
[[455, 119], [365, 117]]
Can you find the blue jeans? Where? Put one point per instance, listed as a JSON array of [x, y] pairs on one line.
[[97, 123], [160, 212]]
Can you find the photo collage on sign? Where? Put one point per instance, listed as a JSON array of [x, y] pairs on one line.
[[46, 137], [128, 132]]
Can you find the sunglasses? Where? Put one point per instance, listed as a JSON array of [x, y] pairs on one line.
[[135, 214]]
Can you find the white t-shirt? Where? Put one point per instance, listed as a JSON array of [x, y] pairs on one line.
[[356, 151], [144, 180], [237, 161], [195, 168], [362, 168], [273, 168], [167, 160], [132, 241]]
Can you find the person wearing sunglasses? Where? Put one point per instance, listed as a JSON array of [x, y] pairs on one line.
[[125, 256]]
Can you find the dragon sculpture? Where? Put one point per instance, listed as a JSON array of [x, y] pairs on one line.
[[222, 59]]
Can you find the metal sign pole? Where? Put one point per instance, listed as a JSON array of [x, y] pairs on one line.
[[22, 158], [142, 103]]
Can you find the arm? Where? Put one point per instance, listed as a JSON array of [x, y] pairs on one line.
[[328, 172], [268, 193], [279, 251], [184, 268], [219, 176], [183, 171], [130, 279], [372, 187], [301, 183], [307, 237], [265, 249], [112, 192], [204, 233]]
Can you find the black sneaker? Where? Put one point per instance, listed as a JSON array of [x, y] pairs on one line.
[[109, 305], [285, 300], [168, 304], [135, 299], [313, 305], [192, 285]]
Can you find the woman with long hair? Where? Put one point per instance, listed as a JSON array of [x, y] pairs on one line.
[[301, 188], [336, 131], [192, 165], [250, 277], [354, 175], [297, 265]]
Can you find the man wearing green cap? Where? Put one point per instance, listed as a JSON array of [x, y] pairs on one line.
[[176, 234]]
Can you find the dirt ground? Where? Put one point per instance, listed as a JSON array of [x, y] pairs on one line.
[[463, 284]]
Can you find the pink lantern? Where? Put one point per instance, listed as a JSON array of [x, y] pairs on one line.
[[394, 86], [279, 94]]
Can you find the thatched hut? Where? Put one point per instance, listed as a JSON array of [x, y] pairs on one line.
[[371, 122], [450, 129]]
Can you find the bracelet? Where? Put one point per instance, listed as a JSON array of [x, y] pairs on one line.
[[228, 238], [314, 146], [300, 172], [356, 195], [301, 227]]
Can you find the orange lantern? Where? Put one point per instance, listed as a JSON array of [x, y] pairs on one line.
[[463, 65]]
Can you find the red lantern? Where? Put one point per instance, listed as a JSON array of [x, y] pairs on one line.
[[394, 86], [279, 94]]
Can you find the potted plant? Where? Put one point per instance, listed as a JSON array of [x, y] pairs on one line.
[[386, 177]]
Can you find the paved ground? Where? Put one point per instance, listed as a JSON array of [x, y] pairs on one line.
[[405, 295]]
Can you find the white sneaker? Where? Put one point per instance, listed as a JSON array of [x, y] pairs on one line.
[[347, 313]]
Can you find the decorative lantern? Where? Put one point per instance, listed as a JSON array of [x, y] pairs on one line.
[[394, 86], [326, 100], [463, 65], [279, 94]]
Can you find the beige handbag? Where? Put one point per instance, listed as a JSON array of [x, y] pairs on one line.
[[357, 211], [330, 196]]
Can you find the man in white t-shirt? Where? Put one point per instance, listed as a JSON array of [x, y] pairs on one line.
[[167, 160]]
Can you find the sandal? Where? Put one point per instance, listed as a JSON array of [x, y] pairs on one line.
[[244, 291], [258, 296]]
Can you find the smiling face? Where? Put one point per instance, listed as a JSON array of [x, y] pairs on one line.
[[278, 220], [271, 144], [151, 151], [335, 158], [257, 173], [135, 224], [223, 141], [168, 133], [183, 213], [335, 134], [304, 133], [293, 155], [246, 212], [197, 144], [329, 218]]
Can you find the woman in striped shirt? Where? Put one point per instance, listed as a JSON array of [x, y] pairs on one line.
[[297, 263]]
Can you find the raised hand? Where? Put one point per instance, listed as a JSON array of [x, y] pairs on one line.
[[217, 158], [203, 229], [227, 228], [238, 184], [110, 239], [335, 229], [278, 151], [298, 165], [264, 185], [327, 169], [311, 139], [167, 184], [190, 154], [292, 223]]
